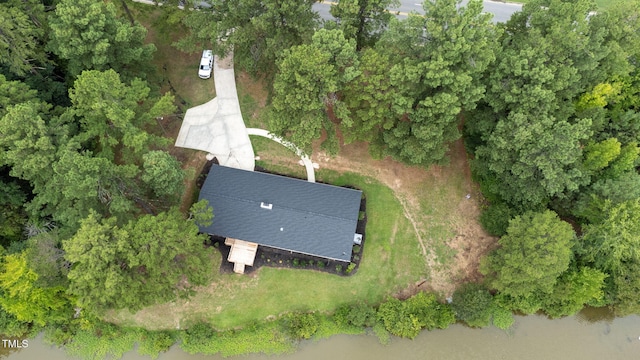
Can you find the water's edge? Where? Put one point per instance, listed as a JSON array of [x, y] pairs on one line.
[[593, 334]]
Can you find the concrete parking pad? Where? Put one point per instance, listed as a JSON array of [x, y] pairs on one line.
[[217, 126]]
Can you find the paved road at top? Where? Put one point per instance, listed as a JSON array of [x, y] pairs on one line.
[[501, 11]]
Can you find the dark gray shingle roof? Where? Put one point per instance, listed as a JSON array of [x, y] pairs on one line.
[[309, 218]]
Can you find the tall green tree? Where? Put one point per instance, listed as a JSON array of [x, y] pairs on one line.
[[82, 183], [112, 113], [45, 256], [22, 35], [28, 142], [12, 215], [27, 301], [532, 255], [611, 246], [257, 31], [13, 93], [90, 36], [162, 172], [619, 23], [150, 260], [437, 62], [599, 155], [566, 40], [593, 201], [533, 158], [369, 97], [363, 20], [574, 290], [305, 89]]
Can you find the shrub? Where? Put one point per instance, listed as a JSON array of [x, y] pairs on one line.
[[197, 337], [107, 342], [502, 318], [339, 268], [321, 264], [357, 248], [407, 318], [350, 268], [11, 326], [155, 342], [495, 218], [433, 314], [397, 320], [359, 314], [301, 325], [59, 335], [296, 262], [473, 304], [258, 338], [265, 338], [382, 334]]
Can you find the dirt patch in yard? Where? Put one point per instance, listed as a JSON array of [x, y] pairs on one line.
[[452, 258]]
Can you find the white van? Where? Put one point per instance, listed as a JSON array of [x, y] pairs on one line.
[[206, 64]]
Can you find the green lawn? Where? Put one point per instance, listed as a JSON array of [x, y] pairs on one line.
[[391, 260]]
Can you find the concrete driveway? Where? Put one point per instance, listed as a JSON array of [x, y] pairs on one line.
[[217, 126]]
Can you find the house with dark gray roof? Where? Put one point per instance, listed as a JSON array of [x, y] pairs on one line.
[[281, 212]]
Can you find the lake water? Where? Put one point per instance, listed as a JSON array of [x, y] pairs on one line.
[[590, 335]]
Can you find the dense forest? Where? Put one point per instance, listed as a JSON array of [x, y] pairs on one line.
[[90, 195], [548, 105]]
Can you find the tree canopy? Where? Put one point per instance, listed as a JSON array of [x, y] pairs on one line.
[[611, 245], [257, 31], [435, 66], [112, 113], [362, 20], [149, 260], [90, 36], [22, 31], [535, 251], [531, 136], [305, 89], [534, 158]]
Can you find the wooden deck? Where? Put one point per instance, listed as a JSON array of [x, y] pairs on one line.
[[242, 254]]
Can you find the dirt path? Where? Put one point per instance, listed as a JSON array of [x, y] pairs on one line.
[[407, 214], [469, 242]]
